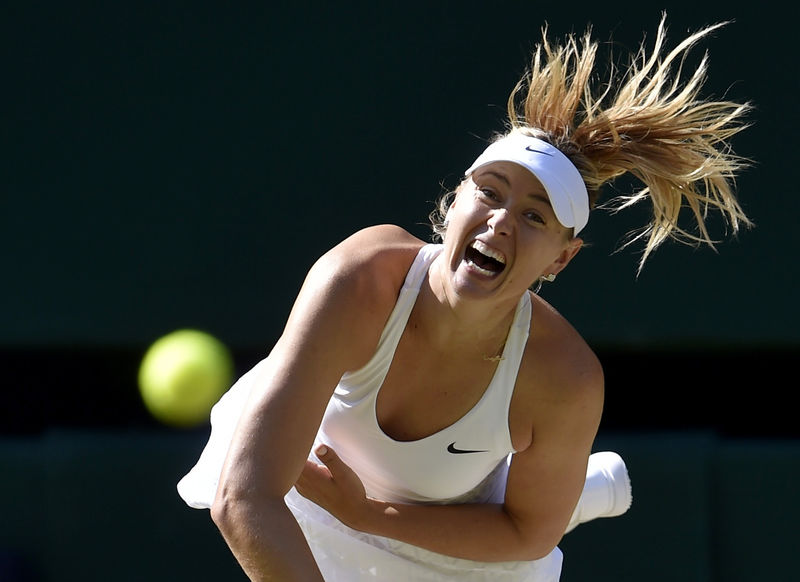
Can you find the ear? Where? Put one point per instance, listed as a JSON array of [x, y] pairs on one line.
[[566, 255], [456, 194], [449, 210]]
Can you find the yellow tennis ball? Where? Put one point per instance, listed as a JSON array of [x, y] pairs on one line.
[[182, 375]]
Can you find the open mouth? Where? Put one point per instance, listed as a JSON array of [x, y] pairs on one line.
[[484, 259]]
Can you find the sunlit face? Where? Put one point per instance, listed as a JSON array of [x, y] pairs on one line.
[[502, 233]]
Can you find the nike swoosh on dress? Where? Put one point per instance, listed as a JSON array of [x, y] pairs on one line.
[[451, 448]]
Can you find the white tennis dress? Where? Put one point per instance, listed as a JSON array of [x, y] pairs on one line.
[[466, 462]]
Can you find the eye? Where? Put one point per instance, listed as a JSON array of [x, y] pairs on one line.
[[534, 216], [488, 193]]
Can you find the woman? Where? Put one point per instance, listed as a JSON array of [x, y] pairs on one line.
[[451, 411]]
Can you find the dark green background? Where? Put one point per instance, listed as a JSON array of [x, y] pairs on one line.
[[171, 165], [175, 166]]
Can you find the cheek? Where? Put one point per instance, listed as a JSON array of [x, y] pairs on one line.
[[457, 214], [540, 250], [467, 206]]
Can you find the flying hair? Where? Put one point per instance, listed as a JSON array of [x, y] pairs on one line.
[[654, 126]]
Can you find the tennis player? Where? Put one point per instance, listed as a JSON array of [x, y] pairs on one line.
[[425, 415]]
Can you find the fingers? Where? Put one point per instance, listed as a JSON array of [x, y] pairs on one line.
[[313, 471], [336, 467], [330, 459], [315, 474], [326, 454], [314, 477]]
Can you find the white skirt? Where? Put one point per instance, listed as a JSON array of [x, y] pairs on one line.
[[344, 554]]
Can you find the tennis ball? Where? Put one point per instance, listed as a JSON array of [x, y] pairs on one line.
[[182, 375]]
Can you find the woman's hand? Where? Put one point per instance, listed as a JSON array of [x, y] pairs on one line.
[[335, 487]]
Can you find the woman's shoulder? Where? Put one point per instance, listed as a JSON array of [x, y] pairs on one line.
[[377, 255], [558, 356], [559, 388], [352, 289], [383, 238], [366, 270]]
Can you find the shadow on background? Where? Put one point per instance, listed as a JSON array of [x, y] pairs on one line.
[[90, 479], [171, 167], [101, 505]]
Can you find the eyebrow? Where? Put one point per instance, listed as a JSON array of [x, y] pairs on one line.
[[542, 197], [535, 195], [500, 176]]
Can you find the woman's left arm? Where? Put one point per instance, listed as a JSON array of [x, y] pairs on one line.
[[544, 484]]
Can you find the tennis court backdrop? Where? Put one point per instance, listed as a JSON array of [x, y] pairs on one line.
[[172, 165]]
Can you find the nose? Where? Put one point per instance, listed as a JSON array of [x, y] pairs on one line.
[[501, 221]]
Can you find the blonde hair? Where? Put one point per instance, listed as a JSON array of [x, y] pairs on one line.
[[654, 126]]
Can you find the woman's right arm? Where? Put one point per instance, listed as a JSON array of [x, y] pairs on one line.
[[334, 326]]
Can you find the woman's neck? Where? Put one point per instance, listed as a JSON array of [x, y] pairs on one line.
[[450, 322]]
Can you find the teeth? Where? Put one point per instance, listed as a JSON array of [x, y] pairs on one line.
[[481, 270], [484, 249]]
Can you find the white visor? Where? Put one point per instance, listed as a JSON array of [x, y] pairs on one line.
[[560, 178]]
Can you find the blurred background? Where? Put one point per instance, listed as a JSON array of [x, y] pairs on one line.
[[173, 165]]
